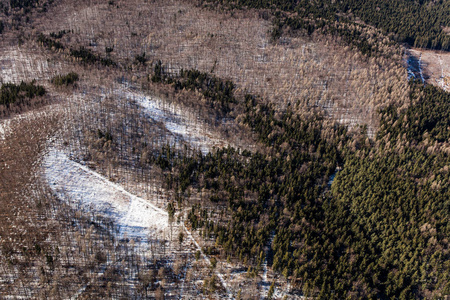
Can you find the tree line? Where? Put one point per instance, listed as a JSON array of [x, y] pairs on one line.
[[420, 24], [84, 55]]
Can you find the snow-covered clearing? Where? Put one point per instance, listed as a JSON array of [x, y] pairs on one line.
[[410, 68], [178, 120], [432, 67], [333, 176], [4, 128], [93, 193]]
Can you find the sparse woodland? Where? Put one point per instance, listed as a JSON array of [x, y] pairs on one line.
[[282, 154]]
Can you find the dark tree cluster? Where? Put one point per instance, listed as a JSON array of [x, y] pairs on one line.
[[59, 34], [49, 43], [140, 59], [219, 93], [65, 80], [28, 5], [18, 98], [11, 93], [22, 3], [86, 56]]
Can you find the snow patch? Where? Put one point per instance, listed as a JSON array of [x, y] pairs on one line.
[[420, 69], [91, 192], [177, 121], [4, 128]]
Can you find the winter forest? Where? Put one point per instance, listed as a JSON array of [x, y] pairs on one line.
[[215, 149]]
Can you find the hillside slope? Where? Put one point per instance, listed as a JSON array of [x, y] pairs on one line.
[[204, 149]]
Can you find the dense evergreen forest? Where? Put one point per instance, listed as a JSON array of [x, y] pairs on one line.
[[18, 98], [378, 231], [65, 80], [419, 23], [11, 93]]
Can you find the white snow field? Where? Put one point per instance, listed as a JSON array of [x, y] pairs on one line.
[[93, 193]]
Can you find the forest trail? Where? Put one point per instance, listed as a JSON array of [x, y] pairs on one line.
[[265, 281], [421, 69]]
